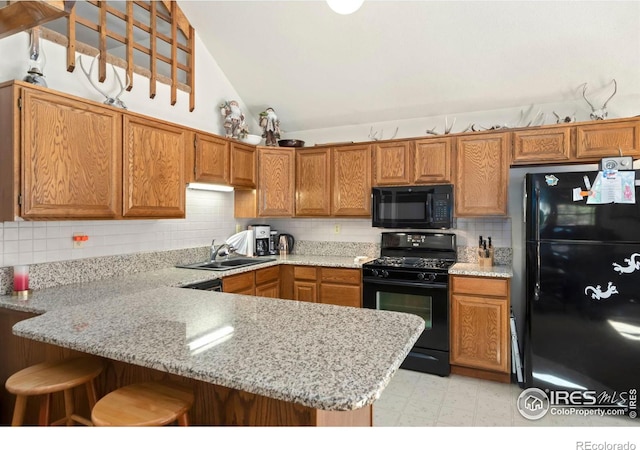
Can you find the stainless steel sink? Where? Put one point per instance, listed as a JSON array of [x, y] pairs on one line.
[[226, 264]]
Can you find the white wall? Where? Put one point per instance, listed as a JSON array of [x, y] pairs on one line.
[[210, 215]]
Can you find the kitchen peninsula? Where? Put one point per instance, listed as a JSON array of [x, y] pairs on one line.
[[250, 360]]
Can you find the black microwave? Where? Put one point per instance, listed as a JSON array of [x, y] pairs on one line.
[[412, 206]]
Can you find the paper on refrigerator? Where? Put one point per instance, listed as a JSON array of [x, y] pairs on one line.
[[613, 186]]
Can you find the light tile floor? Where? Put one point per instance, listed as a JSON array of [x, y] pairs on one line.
[[423, 400]]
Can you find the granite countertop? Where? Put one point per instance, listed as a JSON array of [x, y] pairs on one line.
[[48, 299], [320, 356], [496, 271]]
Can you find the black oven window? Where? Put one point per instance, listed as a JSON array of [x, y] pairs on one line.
[[419, 305]]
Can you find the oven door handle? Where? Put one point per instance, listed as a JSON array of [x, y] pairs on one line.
[[404, 283]]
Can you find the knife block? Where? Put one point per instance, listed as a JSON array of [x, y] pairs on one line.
[[486, 262]]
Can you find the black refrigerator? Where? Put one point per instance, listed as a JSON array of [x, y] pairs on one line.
[[582, 321]]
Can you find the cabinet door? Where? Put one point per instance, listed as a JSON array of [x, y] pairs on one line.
[[212, 159], [313, 182], [154, 175], [607, 139], [275, 182], [351, 181], [479, 332], [242, 283], [71, 157], [305, 291], [540, 145], [482, 175], [432, 161], [243, 165], [271, 289], [392, 163]]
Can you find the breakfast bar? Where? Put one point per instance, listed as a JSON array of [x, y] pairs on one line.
[[250, 360]]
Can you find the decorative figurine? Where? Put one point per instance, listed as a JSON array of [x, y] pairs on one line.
[[270, 127], [234, 123]]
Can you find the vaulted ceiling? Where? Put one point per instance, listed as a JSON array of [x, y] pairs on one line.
[[394, 60]]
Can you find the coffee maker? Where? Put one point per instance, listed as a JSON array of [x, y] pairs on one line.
[[262, 235]]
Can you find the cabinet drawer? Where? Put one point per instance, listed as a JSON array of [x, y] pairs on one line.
[[267, 274], [304, 273], [237, 283], [480, 286], [342, 276], [341, 295]]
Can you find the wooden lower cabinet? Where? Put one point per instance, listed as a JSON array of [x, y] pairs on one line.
[[267, 282], [340, 287], [242, 283], [329, 285], [480, 311], [262, 282]]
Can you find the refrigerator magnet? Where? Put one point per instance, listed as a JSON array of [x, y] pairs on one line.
[[551, 180]]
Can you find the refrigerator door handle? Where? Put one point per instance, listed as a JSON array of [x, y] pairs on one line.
[[536, 218], [536, 287]]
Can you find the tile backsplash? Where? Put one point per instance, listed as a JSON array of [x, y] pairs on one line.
[[209, 216]]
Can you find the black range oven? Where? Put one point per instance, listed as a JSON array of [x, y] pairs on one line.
[[411, 276]]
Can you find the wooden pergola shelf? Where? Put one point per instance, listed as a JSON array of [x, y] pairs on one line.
[[23, 15]]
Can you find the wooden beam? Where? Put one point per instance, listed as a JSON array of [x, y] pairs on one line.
[[21, 16], [191, 79], [102, 45], [174, 54], [152, 47], [71, 46], [130, 44]]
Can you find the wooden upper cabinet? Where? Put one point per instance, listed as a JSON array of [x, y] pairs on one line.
[[542, 145], [482, 175], [606, 138], [212, 156], [154, 168], [71, 157], [276, 181], [313, 182], [243, 165], [392, 163], [351, 181], [432, 161]]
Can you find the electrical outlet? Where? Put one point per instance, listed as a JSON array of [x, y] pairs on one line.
[[238, 228], [336, 228], [79, 240]]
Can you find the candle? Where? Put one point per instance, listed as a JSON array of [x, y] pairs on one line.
[[20, 278]]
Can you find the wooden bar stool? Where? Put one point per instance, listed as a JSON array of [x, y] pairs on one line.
[[153, 403], [48, 378]]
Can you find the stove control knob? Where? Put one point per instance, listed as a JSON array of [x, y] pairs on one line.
[[426, 276], [384, 274], [374, 272]]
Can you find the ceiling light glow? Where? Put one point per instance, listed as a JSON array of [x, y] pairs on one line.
[[345, 6]]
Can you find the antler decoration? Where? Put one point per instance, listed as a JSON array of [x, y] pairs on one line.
[[599, 113], [109, 100], [374, 135]]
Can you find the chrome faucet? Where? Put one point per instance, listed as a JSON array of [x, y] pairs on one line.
[[221, 250]]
